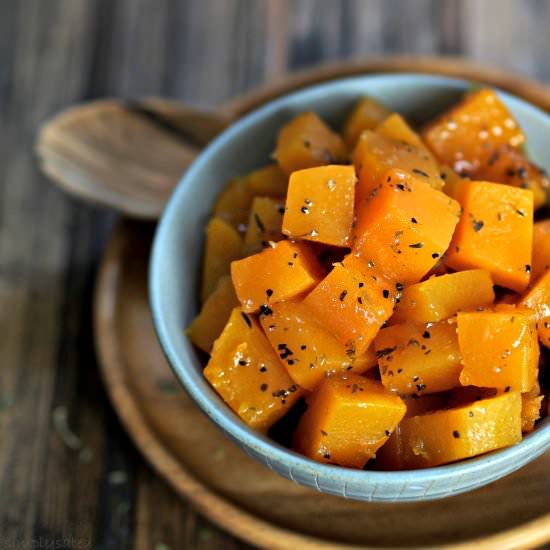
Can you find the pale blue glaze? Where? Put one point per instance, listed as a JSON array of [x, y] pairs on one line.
[[176, 260]]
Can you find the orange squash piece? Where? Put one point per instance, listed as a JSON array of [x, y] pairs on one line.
[[264, 224], [209, 323], [531, 404], [280, 272], [306, 141], [366, 115], [441, 297], [319, 204], [309, 351], [375, 154], [405, 228], [247, 374], [446, 436], [540, 261], [352, 302], [223, 245], [465, 136], [233, 204], [509, 166], [495, 232], [499, 349], [348, 419], [268, 181], [395, 127], [419, 359], [538, 299]]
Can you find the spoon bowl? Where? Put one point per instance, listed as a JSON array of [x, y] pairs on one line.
[[176, 260]]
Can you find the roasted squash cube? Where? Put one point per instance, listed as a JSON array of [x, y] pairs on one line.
[[306, 141], [319, 204], [465, 136], [395, 127], [347, 420], [366, 115], [247, 374], [223, 245], [280, 272], [307, 349], [540, 260], [445, 436], [419, 359], [495, 232], [209, 323], [352, 302], [233, 204], [375, 154], [531, 404], [538, 300], [499, 349], [264, 224], [441, 297], [405, 228], [268, 181]]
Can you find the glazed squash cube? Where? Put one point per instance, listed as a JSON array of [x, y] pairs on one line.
[[465, 136], [209, 323], [352, 302], [268, 181], [495, 232], [441, 297], [446, 436], [531, 404], [375, 154], [223, 245], [247, 374], [319, 204], [395, 127], [499, 349], [306, 141], [347, 420], [419, 359], [280, 272], [509, 166], [366, 115], [540, 261], [405, 228], [233, 204], [308, 351], [538, 300], [264, 224]]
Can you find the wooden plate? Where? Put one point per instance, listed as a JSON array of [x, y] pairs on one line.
[[242, 496]]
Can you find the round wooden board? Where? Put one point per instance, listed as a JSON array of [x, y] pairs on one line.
[[226, 485]]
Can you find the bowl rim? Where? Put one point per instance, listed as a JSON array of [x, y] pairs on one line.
[[505, 460]]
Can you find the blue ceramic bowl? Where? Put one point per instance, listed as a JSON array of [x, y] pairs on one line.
[[176, 261]]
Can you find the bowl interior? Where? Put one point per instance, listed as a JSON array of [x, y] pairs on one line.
[[177, 254]]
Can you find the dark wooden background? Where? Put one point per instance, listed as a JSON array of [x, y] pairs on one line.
[[96, 490]]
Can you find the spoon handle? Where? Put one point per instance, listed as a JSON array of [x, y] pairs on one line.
[[128, 155]]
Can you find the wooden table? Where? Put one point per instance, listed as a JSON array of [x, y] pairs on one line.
[[68, 473]]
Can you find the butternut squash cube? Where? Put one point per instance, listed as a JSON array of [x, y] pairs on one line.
[[264, 224], [419, 359], [495, 232], [233, 204], [352, 302], [247, 374], [509, 166], [268, 181], [223, 245], [319, 204], [441, 297], [347, 420], [366, 115], [446, 436], [499, 349], [540, 261], [306, 141], [395, 127], [531, 403], [209, 323], [538, 300], [465, 136], [405, 227], [375, 154], [308, 351], [280, 272]]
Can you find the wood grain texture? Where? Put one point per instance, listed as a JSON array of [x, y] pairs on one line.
[[57, 52]]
